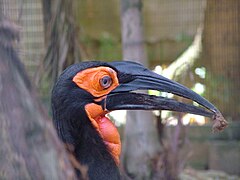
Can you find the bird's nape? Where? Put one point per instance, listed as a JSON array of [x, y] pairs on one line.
[[86, 92]]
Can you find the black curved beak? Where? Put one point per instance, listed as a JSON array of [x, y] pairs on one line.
[[133, 76]]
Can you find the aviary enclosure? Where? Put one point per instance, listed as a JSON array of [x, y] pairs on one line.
[[194, 42]]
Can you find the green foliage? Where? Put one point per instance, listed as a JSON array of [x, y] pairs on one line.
[[167, 50], [183, 37], [106, 48], [110, 48], [220, 84]]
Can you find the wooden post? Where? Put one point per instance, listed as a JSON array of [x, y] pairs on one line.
[[141, 142]]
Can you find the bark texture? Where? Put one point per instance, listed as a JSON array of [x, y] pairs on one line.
[[221, 39], [61, 37], [141, 142], [29, 147]]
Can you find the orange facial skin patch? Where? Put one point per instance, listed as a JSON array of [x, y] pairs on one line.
[[89, 80], [106, 129], [99, 82]]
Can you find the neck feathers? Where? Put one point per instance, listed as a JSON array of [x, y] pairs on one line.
[[87, 148], [92, 152]]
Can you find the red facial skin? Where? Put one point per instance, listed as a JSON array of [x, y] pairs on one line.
[[89, 80]]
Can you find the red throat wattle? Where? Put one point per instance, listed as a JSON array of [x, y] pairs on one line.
[[106, 129], [90, 80]]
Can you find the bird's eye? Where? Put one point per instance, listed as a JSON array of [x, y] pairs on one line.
[[106, 82]]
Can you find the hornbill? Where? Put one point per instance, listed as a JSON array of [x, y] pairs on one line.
[[86, 92]]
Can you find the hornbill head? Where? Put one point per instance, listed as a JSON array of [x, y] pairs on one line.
[[86, 92]]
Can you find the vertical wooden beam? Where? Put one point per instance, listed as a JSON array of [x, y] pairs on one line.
[[141, 142]]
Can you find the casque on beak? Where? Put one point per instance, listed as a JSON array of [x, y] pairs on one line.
[[137, 77]]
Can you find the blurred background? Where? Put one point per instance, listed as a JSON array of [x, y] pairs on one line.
[[195, 42]]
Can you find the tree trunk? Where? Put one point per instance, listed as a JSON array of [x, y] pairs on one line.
[[29, 147], [62, 39], [221, 39], [141, 142]]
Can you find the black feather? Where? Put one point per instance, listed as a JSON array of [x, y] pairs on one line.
[[74, 127]]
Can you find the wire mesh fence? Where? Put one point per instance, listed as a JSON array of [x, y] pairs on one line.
[[169, 25], [183, 18], [27, 14]]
